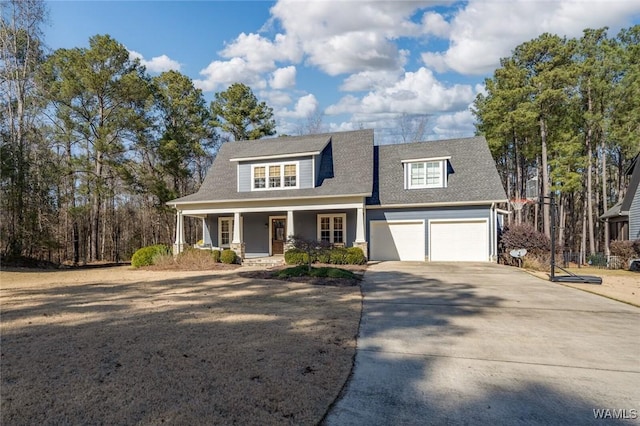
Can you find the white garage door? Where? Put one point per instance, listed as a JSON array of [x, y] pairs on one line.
[[459, 241], [402, 240]]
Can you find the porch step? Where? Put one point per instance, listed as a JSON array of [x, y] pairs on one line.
[[266, 262]]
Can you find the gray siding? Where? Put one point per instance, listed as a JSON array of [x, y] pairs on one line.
[[634, 216], [255, 229], [244, 177], [477, 212], [212, 224], [305, 173]]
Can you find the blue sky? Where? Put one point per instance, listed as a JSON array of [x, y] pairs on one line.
[[387, 65]]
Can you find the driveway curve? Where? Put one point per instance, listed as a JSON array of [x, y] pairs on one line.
[[446, 343]]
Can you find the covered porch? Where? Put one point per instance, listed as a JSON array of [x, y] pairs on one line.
[[254, 232]]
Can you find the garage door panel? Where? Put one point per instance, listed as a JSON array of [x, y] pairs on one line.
[[465, 241], [397, 240]]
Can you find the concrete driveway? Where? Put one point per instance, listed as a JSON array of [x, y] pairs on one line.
[[487, 344]]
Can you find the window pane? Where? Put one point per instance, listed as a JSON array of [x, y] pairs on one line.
[[290, 175], [433, 173], [417, 174], [274, 177], [225, 231], [259, 177]]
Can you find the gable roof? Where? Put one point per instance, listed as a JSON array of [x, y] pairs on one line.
[[474, 178], [352, 156], [280, 147], [634, 171], [621, 208]]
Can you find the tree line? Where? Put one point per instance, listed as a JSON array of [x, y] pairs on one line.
[[564, 115], [92, 146]]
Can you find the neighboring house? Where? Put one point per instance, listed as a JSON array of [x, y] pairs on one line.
[[418, 201], [624, 216]]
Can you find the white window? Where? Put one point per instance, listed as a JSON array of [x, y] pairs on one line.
[[274, 176], [225, 231], [425, 174], [332, 228]]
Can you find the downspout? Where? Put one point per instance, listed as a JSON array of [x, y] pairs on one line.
[[492, 216]]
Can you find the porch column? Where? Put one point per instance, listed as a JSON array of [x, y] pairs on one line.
[[179, 244], [236, 228], [360, 234], [237, 244], [206, 234], [290, 229], [360, 225]]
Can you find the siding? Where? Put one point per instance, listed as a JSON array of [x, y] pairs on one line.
[[305, 173], [634, 216], [426, 214]]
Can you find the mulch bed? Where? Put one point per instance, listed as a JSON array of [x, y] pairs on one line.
[[270, 274]]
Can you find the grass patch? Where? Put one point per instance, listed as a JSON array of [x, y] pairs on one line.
[[321, 272]]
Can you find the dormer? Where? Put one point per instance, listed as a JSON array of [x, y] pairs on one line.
[[273, 166], [421, 173]]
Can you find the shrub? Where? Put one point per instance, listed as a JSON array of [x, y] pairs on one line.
[[323, 256], [296, 257], [355, 256], [146, 255], [216, 255], [338, 256], [526, 237], [228, 256], [625, 250]]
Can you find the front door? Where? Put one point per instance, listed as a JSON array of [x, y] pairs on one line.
[[278, 235]]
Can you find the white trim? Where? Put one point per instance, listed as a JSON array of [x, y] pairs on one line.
[[331, 216], [273, 209], [422, 160], [441, 166], [502, 211], [275, 156], [271, 231], [240, 200], [438, 204], [460, 220], [266, 166], [220, 219]]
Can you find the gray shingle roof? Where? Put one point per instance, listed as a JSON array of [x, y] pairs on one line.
[[474, 177], [352, 172], [280, 146]]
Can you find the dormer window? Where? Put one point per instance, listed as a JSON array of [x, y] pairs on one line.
[[274, 176], [425, 173]]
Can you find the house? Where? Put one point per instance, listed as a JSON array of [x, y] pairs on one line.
[[418, 201], [624, 216]]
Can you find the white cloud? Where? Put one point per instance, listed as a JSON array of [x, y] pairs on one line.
[[283, 78], [346, 37], [157, 64], [434, 23], [222, 73], [369, 80], [455, 125], [249, 56], [484, 31], [275, 98], [305, 107], [416, 93]]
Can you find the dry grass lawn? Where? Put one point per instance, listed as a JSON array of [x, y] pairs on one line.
[[620, 285], [122, 346]]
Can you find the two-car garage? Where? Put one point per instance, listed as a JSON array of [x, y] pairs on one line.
[[463, 240]]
